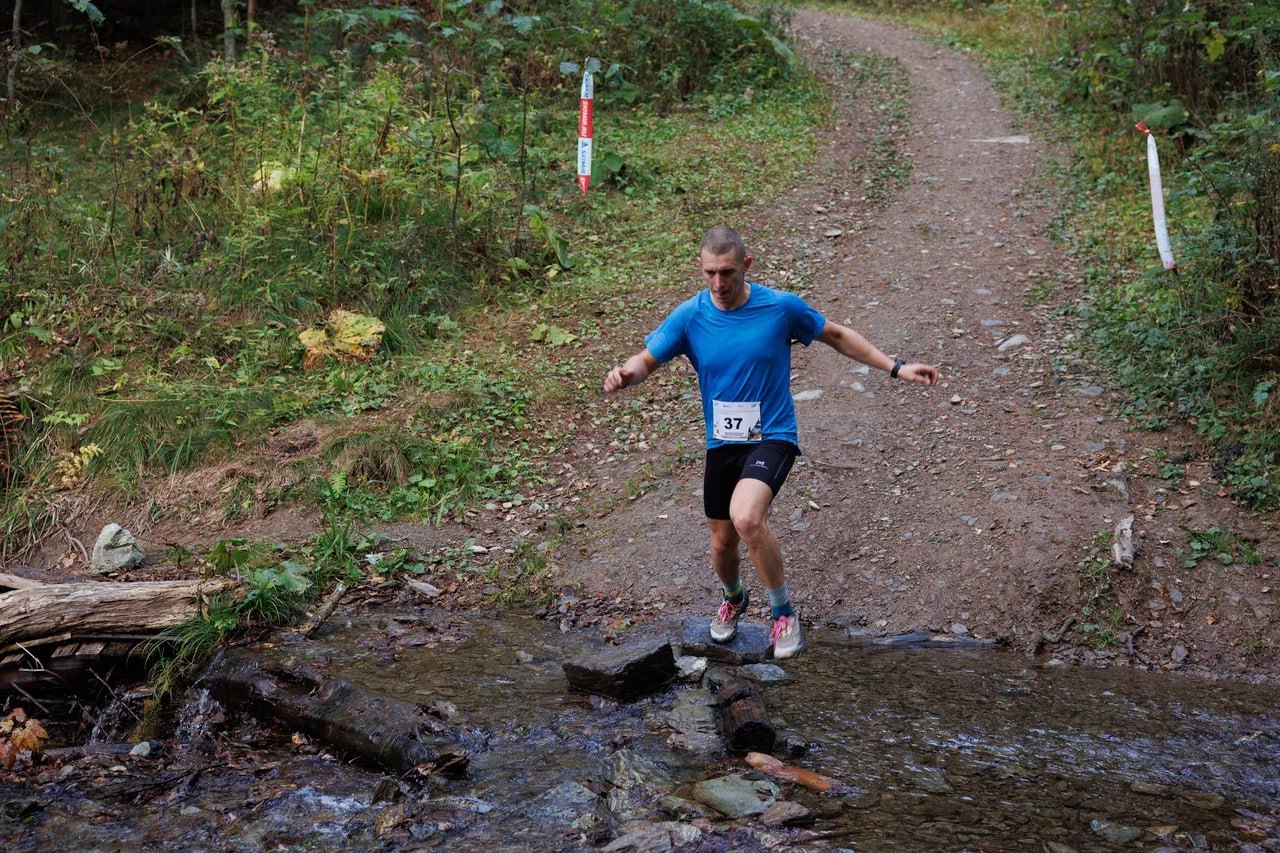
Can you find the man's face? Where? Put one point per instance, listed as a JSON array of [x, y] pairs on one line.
[[726, 277]]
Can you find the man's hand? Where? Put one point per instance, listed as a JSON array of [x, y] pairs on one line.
[[632, 372], [924, 374], [617, 379]]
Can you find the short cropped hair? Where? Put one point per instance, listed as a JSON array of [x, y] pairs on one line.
[[721, 240]]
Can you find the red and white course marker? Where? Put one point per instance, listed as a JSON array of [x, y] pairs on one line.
[[1157, 200], [584, 132]]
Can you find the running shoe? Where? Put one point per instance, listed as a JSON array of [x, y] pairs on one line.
[[725, 626], [788, 637]]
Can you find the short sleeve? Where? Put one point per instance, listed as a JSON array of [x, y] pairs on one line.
[[804, 323], [669, 339]]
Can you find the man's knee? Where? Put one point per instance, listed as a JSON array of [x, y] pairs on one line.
[[750, 525]]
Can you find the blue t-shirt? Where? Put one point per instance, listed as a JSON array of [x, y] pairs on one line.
[[742, 357]]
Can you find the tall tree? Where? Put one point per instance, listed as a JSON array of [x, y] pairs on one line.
[[228, 31], [15, 45]]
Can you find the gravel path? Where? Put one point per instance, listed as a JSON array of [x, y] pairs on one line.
[[973, 507]]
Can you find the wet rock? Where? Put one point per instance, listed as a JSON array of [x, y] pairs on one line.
[[569, 804], [389, 820], [642, 837], [694, 712], [684, 809], [1203, 799], [735, 795], [627, 769], [762, 672], [388, 790], [1150, 788], [116, 550], [786, 813], [652, 837], [20, 808], [624, 672], [928, 640], [750, 646], [931, 779], [695, 743], [636, 781], [691, 668], [1116, 833]]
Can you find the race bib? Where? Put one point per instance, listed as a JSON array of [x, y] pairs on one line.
[[735, 421]]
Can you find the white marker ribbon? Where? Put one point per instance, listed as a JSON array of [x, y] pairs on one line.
[[1157, 200]]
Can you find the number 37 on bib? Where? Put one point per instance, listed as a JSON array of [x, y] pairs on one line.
[[735, 421]]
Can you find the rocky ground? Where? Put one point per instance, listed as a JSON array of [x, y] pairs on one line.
[[984, 506]]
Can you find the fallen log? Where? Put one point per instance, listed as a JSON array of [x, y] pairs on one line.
[[387, 732], [95, 608], [10, 581], [744, 722]]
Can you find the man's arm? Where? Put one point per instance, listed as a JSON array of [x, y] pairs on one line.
[[849, 343], [634, 371]]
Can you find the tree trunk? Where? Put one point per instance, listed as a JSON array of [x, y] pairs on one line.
[[743, 718], [250, 17], [380, 730], [94, 608], [229, 31], [15, 45]]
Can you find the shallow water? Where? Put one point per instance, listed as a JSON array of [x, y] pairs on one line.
[[937, 750]]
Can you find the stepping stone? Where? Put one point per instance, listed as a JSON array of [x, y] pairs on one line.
[[750, 646], [624, 672]]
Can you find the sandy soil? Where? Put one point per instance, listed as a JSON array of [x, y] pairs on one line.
[[971, 508]]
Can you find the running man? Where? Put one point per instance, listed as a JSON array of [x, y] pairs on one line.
[[738, 334]]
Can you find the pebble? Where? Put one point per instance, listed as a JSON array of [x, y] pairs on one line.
[[1015, 341], [1116, 833]]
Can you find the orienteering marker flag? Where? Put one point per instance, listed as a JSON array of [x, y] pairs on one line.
[[584, 132], [1157, 200]]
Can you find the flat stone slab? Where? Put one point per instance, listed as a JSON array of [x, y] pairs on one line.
[[750, 646], [624, 672], [927, 640]]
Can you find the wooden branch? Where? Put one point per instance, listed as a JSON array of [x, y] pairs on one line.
[[98, 607], [774, 767], [8, 581], [326, 610]]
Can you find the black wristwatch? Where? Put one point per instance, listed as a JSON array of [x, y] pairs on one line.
[[897, 365]]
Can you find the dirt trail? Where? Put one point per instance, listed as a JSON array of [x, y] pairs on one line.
[[971, 507]]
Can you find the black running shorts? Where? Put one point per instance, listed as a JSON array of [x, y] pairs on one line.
[[767, 461]]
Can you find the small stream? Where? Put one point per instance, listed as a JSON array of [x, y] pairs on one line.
[[935, 749]]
